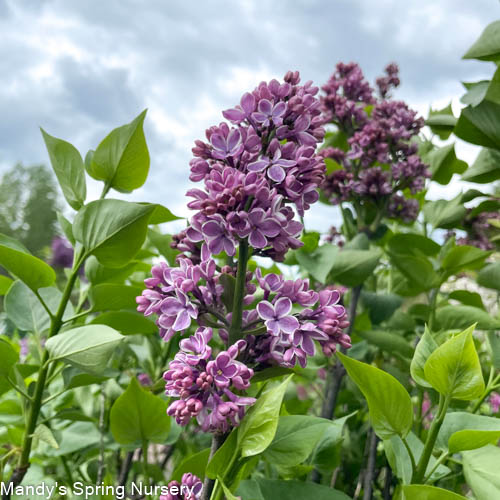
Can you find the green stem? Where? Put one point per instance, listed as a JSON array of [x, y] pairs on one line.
[[439, 461], [489, 388], [34, 410], [105, 189], [431, 440], [432, 304], [410, 453], [239, 292]]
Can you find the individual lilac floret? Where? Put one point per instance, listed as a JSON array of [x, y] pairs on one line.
[[276, 317], [190, 488], [144, 379], [495, 402]]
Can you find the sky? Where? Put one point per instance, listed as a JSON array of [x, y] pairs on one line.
[[82, 68]]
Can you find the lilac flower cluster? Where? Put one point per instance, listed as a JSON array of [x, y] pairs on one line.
[[479, 231], [203, 384], [62, 252], [272, 334], [381, 165], [255, 168], [189, 488], [256, 173]]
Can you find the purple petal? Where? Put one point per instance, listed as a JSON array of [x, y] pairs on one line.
[[265, 309], [182, 321], [230, 371], [258, 166], [216, 245], [270, 227], [212, 229], [282, 307], [218, 142], [260, 117], [279, 109], [229, 247], [171, 306], [285, 163], [265, 107], [256, 216], [233, 139], [308, 345], [257, 239], [273, 326], [222, 360], [276, 173], [288, 324], [248, 103], [234, 115]]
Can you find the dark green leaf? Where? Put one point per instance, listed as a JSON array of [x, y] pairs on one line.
[[425, 492], [444, 213], [408, 243], [443, 163], [381, 306], [468, 298], [195, 464], [162, 243], [5, 284], [8, 356], [463, 257], [113, 297], [126, 322], [459, 317], [112, 230], [387, 341], [485, 169], [489, 276]]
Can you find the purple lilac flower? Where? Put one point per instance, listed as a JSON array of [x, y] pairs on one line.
[[381, 163], [479, 230], [259, 164], [189, 488], [144, 379], [62, 253], [495, 402], [204, 384]]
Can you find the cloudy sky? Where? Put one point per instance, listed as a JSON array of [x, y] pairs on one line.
[[81, 68]]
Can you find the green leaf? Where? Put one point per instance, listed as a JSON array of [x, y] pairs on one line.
[[258, 428], [66, 227], [487, 46], [87, 347], [5, 284], [481, 472], [196, 464], [444, 213], [381, 306], [408, 243], [425, 492], [113, 297], [388, 402], [460, 421], [221, 460], [319, 263], [468, 298], [21, 264], [73, 377], [25, 310], [139, 416], [441, 121], [295, 439], [425, 347], [112, 230], [475, 92], [161, 214], [459, 317], [43, 433], [480, 124], [272, 489], [463, 257], [418, 270], [326, 449], [443, 163], [494, 341], [69, 169], [489, 276], [471, 440], [126, 322], [97, 273], [122, 158], [453, 369], [271, 372], [387, 341], [352, 267], [485, 169], [162, 243], [400, 461], [8, 356], [76, 437]]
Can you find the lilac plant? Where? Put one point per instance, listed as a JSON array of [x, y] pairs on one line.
[[189, 488], [258, 171], [379, 169]]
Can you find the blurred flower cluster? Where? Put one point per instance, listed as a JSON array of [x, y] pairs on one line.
[[378, 169]]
